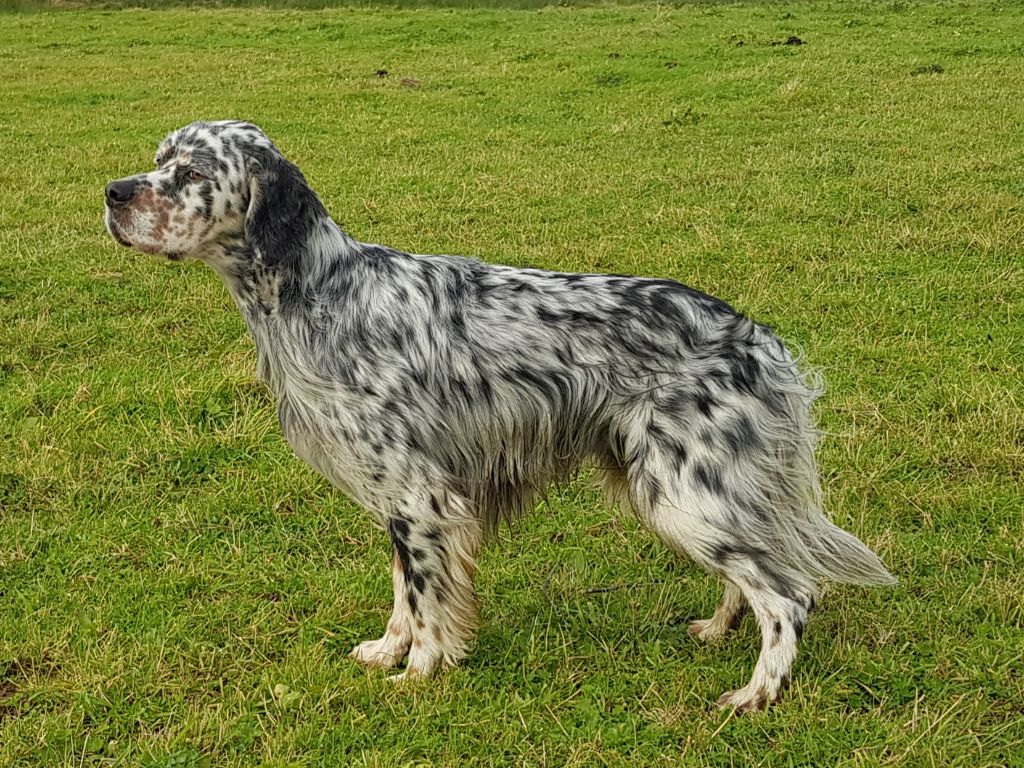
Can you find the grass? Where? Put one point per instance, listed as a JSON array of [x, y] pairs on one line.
[[176, 589]]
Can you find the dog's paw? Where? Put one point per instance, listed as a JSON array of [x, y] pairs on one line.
[[420, 666], [707, 630], [747, 699], [378, 653], [408, 675]]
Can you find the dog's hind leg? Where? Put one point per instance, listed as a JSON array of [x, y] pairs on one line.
[[389, 650], [781, 603], [726, 618], [614, 481], [705, 503], [696, 523]]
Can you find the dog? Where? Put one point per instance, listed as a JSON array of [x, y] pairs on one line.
[[445, 395]]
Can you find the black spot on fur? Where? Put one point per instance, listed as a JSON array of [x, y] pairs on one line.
[[678, 452], [705, 403], [379, 259], [776, 582], [798, 618], [708, 477], [722, 553], [653, 489], [547, 316], [741, 438], [462, 390], [486, 390], [746, 372], [206, 195], [673, 403], [399, 528], [393, 406], [170, 188]]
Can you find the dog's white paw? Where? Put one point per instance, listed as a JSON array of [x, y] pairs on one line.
[[384, 653], [747, 699], [408, 675], [708, 630]]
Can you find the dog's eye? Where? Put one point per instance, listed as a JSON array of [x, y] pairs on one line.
[[194, 175]]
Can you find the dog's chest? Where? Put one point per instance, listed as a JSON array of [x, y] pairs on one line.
[[338, 430], [326, 435], [317, 434], [317, 425]]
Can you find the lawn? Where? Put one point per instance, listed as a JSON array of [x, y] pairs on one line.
[[177, 589]]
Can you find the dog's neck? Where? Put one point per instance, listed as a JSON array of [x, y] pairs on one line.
[[257, 282], [274, 297], [253, 285]]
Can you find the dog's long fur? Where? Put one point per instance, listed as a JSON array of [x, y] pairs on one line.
[[445, 394]]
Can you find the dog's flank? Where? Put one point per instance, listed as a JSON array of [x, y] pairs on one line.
[[446, 394]]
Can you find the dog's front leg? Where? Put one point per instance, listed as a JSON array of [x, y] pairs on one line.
[[391, 649], [436, 555]]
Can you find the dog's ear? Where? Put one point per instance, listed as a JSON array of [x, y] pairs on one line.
[[282, 208]]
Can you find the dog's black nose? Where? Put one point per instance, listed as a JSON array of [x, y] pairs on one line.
[[121, 192]]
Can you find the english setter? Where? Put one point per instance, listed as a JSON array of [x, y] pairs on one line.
[[445, 394]]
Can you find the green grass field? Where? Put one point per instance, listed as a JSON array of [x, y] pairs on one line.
[[176, 589]]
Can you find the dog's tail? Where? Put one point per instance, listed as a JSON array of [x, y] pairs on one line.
[[821, 549], [841, 556]]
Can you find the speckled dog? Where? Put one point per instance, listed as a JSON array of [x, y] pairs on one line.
[[445, 394]]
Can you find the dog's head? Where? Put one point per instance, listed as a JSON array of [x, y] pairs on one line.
[[216, 184]]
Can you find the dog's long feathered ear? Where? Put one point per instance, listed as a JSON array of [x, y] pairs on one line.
[[282, 208]]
